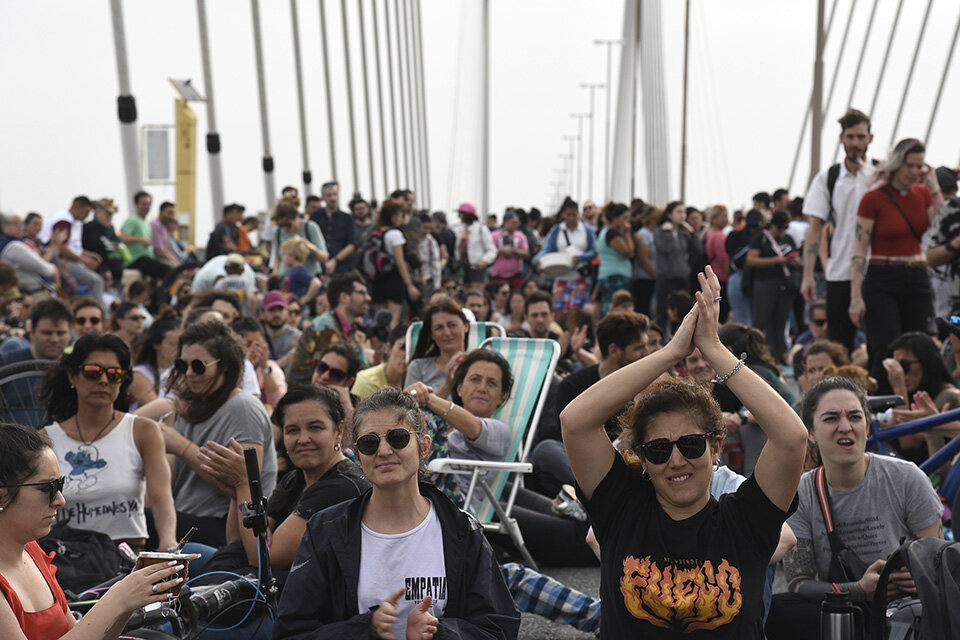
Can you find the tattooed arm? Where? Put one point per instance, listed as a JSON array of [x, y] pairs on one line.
[[811, 248], [800, 572], [861, 244]]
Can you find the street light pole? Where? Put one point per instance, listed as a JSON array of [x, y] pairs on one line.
[[580, 117], [592, 87], [573, 160], [606, 136], [568, 169]]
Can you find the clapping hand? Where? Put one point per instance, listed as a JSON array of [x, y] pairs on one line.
[[385, 616], [708, 304], [421, 624]]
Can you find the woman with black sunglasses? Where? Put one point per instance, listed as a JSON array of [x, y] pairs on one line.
[[665, 541], [128, 322], [337, 369], [210, 406], [33, 606], [114, 460], [401, 561]]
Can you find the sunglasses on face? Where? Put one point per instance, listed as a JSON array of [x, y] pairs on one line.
[[819, 323], [199, 366], [52, 487], [92, 320], [907, 364], [369, 443], [336, 375], [93, 372], [136, 318], [691, 446]]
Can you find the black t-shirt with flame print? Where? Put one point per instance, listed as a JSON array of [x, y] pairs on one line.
[[701, 577]]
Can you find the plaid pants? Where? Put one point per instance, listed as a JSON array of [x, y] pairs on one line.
[[536, 593]]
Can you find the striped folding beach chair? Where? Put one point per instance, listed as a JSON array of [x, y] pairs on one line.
[[532, 362], [479, 331]]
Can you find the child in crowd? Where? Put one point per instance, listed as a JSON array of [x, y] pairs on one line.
[[298, 281]]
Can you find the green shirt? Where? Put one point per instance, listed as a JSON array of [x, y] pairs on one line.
[[137, 226]]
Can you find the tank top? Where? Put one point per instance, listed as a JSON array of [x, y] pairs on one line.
[[105, 484], [51, 623]]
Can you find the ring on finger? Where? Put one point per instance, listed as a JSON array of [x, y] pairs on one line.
[[718, 299], [153, 589]]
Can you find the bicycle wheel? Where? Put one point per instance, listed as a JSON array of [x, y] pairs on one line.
[[21, 386]]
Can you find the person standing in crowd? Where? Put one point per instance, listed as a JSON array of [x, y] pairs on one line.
[[672, 259], [82, 265], [475, 250], [135, 233], [447, 240], [942, 245], [337, 228], [615, 249], [405, 531], [395, 285], [715, 250], [34, 606], [740, 283], [578, 241], [362, 226], [289, 224], [114, 457], [664, 521], [512, 251], [210, 406], [644, 271], [895, 297], [833, 198], [431, 260], [774, 260]]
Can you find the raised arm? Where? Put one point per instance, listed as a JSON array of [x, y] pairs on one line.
[[581, 423], [781, 460]]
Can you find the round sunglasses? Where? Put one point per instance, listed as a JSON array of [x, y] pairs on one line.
[[82, 320], [691, 446], [369, 443], [52, 487], [199, 366], [93, 372]]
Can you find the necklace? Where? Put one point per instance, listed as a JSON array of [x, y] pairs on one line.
[[94, 439]]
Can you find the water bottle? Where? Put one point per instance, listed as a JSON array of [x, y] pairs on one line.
[[839, 619]]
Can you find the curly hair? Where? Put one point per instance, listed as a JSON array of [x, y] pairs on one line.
[[666, 396], [224, 345], [483, 355], [61, 396]]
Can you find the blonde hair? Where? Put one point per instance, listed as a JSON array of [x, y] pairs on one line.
[[294, 247]]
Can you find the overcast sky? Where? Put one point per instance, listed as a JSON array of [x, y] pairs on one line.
[[750, 78]]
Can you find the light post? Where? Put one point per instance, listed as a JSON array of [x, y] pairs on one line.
[[568, 169], [580, 117], [606, 147], [592, 87]]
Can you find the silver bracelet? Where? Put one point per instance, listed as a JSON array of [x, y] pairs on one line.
[[722, 379]]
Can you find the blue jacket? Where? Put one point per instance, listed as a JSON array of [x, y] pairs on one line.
[[320, 595], [550, 244]]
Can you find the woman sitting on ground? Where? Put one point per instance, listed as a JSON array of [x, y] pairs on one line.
[[115, 459], [211, 407], [440, 348], [155, 353], [463, 427], [34, 606], [875, 501], [311, 419], [401, 560], [665, 524]]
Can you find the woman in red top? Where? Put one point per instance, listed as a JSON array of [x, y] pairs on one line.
[[33, 606], [896, 296]]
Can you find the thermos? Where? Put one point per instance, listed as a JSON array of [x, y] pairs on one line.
[[839, 619]]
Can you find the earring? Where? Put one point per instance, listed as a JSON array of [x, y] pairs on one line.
[[1, 509], [336, 447], [644, 474], [716, 465]]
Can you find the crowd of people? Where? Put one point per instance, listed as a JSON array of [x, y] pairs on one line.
[[711, 361]]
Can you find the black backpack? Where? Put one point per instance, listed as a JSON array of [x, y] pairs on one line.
[[934, 565], [376, 262], [83, 558]]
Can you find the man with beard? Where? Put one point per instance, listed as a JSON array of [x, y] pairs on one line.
[[337, 229], [834, 197], [362, 226], [279, 335]]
